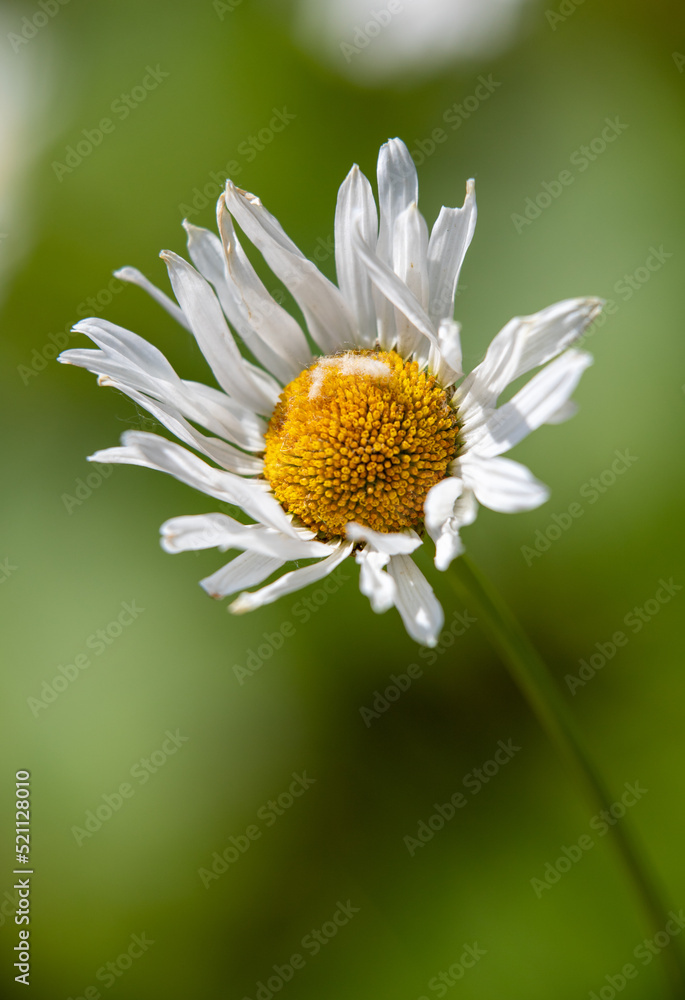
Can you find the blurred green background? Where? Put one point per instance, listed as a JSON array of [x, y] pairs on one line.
[[69, 565]]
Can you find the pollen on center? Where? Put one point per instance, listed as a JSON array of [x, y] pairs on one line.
[[360, 436]]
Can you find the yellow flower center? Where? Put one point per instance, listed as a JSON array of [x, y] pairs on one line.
[[360, 436]]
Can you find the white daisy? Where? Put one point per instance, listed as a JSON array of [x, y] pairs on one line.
[[355, 448]]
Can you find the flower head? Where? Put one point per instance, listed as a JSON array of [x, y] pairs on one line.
[[368, 440]]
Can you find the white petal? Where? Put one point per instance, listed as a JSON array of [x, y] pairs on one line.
[[445, 363], [439, 504], [410, 247], [246, 570], [284, 348], [395, 290], [564, 413], [450, 239], [136, 351], [219, 451], [465, 509], [447, 547], [445, 512], [531, 407], [214, 337], [356, 206], [134, 277], [154, 452], [207, 254], [391, 543], [213, 412], [398, 187], [191, 532], [374, 582], [134, 363], [239, 424], [417, 604], [328, 318], [501, 484], [523, 344], [289, 582], [203, 531]]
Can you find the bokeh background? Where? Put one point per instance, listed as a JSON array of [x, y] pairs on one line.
[[75, 548]]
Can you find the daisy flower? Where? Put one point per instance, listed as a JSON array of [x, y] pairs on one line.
[[359, 436]]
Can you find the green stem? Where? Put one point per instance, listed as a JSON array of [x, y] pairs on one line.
[[537, 684]]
